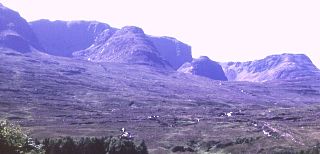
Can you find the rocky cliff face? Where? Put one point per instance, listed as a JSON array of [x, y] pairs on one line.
[[204, 67], [15, 32], [284, 66], [127, 45], [62, 38], [172, 50]]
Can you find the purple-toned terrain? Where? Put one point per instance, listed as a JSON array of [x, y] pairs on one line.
[[86, 78]]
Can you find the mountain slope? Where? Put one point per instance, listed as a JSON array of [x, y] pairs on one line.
[[284, 66], [172, 50], [62, 38], [127, 45], [15, 32], [204, 67], [57, 96]]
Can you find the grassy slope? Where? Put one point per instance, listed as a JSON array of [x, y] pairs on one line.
[[54, 96]]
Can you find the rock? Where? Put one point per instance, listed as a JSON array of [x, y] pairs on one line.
[[175, 52], [204, 67], [284, 66], [15, 33], [62, 38], [127, 45]]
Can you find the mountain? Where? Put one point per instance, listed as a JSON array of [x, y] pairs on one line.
[[172, 50], [62, 38], [127, 45], [284, 66], [54, 96], [204, 67], [15, 33]]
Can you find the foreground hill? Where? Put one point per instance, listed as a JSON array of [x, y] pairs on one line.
[[284, 66], [15, 32], [204, 67]]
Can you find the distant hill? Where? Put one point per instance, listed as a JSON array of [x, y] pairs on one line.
[[127, 45], [172, 50], [204, 67], [284, 66], [15, 32], [62, 38]]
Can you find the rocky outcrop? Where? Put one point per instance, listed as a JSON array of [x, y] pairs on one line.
[[62, 38], [172, 50], [204, 67], [15, 33], [127, 45], [284, 66]]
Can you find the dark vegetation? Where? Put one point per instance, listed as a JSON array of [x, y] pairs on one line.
[[14, 141], [87, 145]]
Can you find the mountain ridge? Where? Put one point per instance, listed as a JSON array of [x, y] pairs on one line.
[[15, 33], [170, 49], [282, 66], [127, 45], [54, 96], [204, 66], [62, 38]]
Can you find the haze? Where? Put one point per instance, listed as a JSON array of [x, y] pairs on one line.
[[229, 30]]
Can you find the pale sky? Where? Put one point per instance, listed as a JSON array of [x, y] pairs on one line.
[[224, 30]]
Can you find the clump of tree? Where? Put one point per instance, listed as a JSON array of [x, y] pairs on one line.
[[14, 141], [104, 145]]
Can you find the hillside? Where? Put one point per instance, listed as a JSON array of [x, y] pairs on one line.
[[62, 38], [127, 45], [15, 33], [172, 50], [204, 67], [274, 67], [54, 96], [122, 83]]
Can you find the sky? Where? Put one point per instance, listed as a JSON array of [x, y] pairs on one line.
[[224, 30]]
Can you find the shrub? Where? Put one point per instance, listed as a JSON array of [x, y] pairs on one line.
[[91, 145], [14, 141], [104, 145]]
